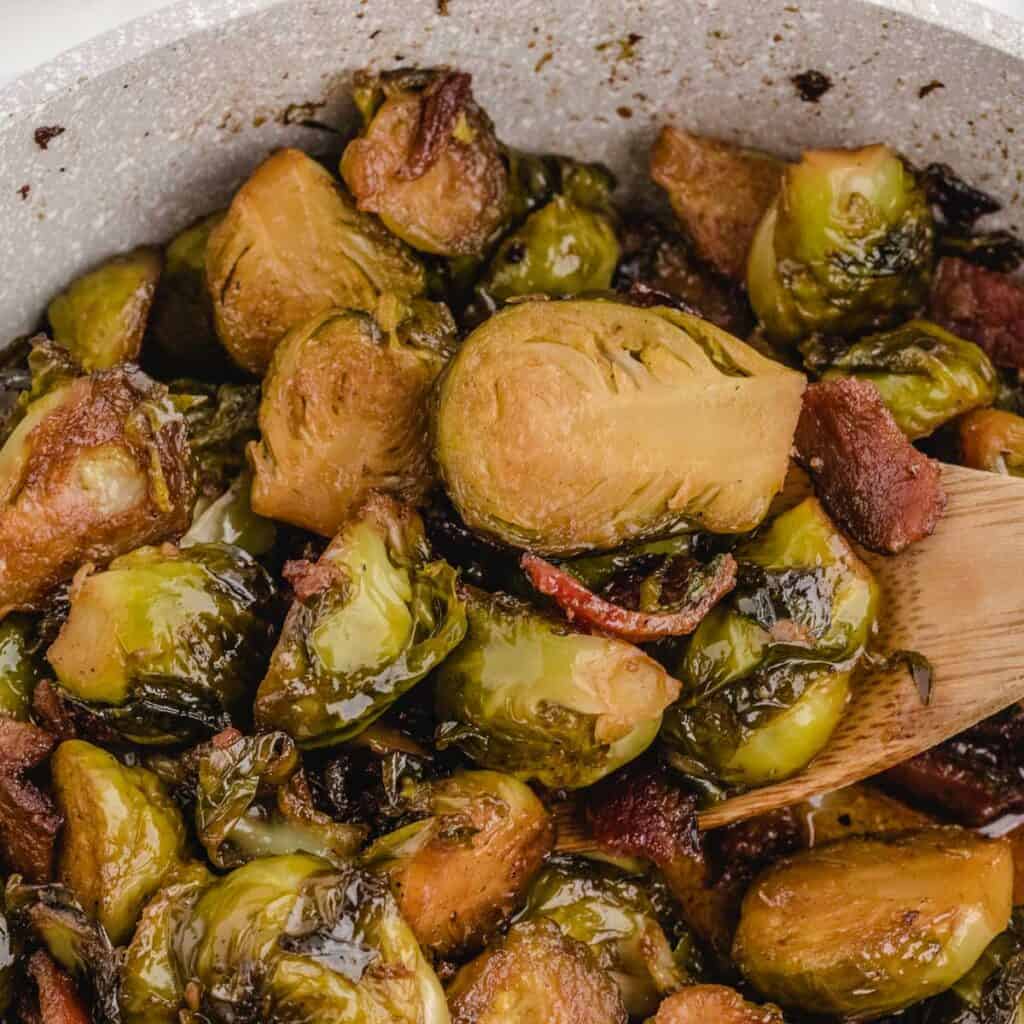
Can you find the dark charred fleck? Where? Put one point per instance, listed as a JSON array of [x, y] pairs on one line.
[[24, 191], [516, 252], [442, 8], [811, 85], [544, 59], [376, 32], [961, 204], [46, 133], [626, 112], [926, 90]]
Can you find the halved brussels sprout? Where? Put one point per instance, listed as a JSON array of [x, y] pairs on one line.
[[847, 245], [428, 163], [768, 669], [122, 834], [235, 826], [993, 440], [344, 413], [704, 1004], [459, 871], [869, 925], [229, 519], [925, 375], [291, 246], [614, 918], [97, 466], [18, 670], [165, 643], [372, 617], [563, 426], [526, 695], [101, 318], [294, 939], [536, 973]]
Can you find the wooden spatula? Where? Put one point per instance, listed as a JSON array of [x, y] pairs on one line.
[[958, 599]]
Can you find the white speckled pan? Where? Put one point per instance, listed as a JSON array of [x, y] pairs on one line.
[[161, 119]]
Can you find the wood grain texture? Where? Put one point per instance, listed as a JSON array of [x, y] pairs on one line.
[[956, 597]]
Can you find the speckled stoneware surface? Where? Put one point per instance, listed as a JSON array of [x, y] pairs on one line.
[[162, 118]]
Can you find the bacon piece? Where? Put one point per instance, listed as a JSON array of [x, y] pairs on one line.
[[983, 306], [308, 579], [59, 1002], [869, 477], [28, 820], [443, 100], [583, 605]]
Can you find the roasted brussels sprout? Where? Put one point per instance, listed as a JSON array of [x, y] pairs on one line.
[[847, 245], [291, 246], [526, 695], [993, 440], [536, 973], [768, 669], [870, 925], [925, 375], [8, 960], [18, 670], [122, 834], [614, 918], [372, 617], [564, 426], [234, 825], [702, 1004], [427, 162], [96, 467], [459, 871], [293, 939], [229, 519], [165, 643], [101, 318], [340, 377]]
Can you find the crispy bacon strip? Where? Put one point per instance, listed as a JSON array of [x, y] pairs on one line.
[[59, 1002], [29, 822], [872, 480], [982, 305], [583, 605]]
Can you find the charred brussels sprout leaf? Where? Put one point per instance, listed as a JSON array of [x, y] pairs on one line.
[[101, 318], [371, 619], [768, 669], [234, 825], [526, 695], [463, 866], [701, 1004], [18, 670], [164, 644], [122, 834], [291, 246], [566, 426], [925, 375], [536, 973], [870, 925], [613, 916], [428, 163], [993, 440], [229, 519], [344, 376], [97, 466], [847, 245]]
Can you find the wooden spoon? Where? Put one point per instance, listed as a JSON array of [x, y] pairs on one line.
[[957, 598]]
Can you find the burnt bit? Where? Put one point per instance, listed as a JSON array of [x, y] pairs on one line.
[[24, 191], [539, 66], [443, 100], [442, 8], [932, 86], [811, 85], [305, 116], [959, 203], [624, 112], [45, 134], [376, 32]]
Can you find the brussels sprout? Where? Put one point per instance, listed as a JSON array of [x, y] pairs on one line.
[[346, 375], [371, 619], [291, 246], [925, 375], [122, 834], [181, 328], [292, 939], [459, 871], [234, 826], [536, 973], [9, 949], [702, 1004], [526, 695], [230, 519], [18, 671], [152, 989], [768, 669], [565, 426], [165, 643], [870, 925], [98, 466], [427, 163], [614, 918], [847, 245], [993, 440], [101, 317]]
